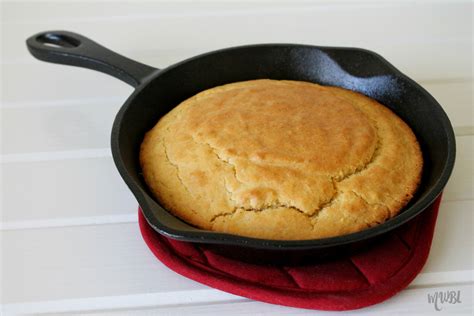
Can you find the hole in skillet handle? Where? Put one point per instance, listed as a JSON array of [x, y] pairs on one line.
[[58, 40]]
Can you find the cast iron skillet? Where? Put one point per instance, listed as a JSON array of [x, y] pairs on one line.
[[158, 91]]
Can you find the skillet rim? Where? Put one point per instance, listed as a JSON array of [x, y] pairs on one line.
[[211, 237]]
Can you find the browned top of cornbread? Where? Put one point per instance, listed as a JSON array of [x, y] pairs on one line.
[[281, 160]]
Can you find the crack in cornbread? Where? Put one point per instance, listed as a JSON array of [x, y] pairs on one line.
[[281, 160]]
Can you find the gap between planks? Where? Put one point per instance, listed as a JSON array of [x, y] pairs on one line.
[[193, 298], [203, 296], [69, 222]]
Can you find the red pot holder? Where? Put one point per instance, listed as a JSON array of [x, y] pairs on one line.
[[363, 279]]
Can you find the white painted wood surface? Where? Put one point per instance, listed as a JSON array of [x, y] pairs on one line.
[[69, 237]]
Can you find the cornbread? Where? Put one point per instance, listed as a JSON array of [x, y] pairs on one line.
[[284, 160]]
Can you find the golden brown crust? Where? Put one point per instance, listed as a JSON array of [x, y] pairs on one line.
[[281, 160]]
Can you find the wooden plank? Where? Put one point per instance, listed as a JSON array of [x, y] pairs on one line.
[[38, 77], [83, 262], [455, 98], [460, 185], [96, 194], [63, 189], [181, 25], [33, 11], [172, 36], [80, 124], [41, 83], [408, 302], [78, 263], [58, 128], [44, 11], [452, 239], [112, 303], [464, 130]]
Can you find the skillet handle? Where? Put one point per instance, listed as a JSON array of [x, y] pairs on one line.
[[62, 47]]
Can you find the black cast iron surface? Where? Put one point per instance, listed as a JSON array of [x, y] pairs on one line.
[[158, 91]]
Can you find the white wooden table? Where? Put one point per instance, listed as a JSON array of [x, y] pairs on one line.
[[69, 235]]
